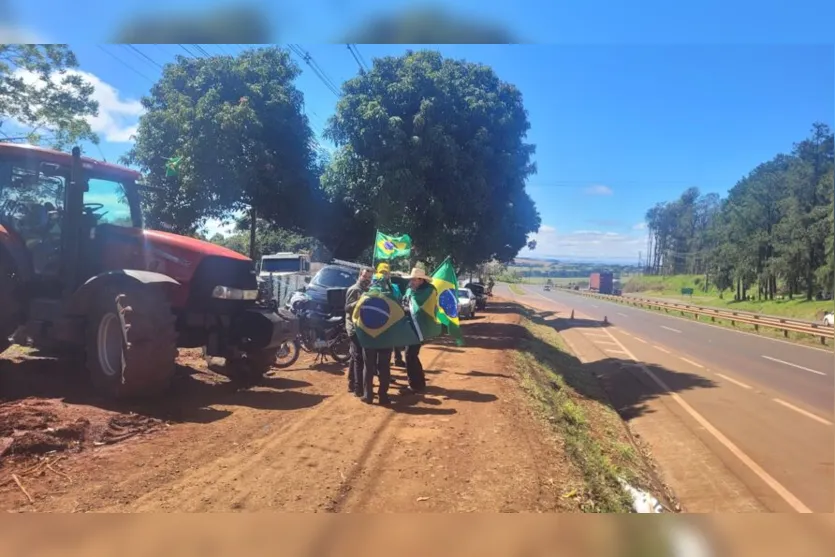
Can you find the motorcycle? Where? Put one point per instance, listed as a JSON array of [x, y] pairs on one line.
[[323, 334]]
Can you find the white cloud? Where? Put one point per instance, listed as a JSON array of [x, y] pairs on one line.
[[584, 243], [118, 117], [640, 226], [598, 189]]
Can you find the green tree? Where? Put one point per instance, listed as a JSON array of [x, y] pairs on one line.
[[774, 231], [436, 148], [238, 125], [39, 91], [269, 239]]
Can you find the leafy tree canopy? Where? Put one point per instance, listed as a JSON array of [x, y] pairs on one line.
[[39, 91], [774, 230], [436, 148], [237, 124]]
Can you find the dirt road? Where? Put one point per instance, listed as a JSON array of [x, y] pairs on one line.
[[303, 443]]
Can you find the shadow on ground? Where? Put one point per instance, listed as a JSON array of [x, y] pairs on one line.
[[195, 395], [621, 384]]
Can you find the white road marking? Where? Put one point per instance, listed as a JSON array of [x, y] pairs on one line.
[[616, 351], [784, 493], [802, 411], [605, 342], [623, 314], [734, 381], [594, 306], [640, 340], [624, 333], [692, 363], [793, 365], [664, 350], [670, 329]]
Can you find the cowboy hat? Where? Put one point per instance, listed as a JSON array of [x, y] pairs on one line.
[[418, 273]]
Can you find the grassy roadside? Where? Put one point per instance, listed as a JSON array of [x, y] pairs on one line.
[[670, 288], [798, 338], [574, 404], [516, 289]]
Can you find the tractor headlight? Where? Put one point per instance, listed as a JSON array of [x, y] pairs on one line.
[[227, 293]]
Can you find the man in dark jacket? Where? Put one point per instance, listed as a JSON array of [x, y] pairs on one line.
[[355, 369]]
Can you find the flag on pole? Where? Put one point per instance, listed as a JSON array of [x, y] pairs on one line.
[[388, 247], [446, 283], [172, 166]]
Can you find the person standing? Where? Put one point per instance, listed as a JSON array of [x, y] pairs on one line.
[[377, 362], [357, 363], [384, 270], [419, 282]]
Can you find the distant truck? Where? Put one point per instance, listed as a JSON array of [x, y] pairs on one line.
[[283, 273], [602, 283]]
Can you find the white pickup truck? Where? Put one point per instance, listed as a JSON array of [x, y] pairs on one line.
[[284, 273], [829, 319]]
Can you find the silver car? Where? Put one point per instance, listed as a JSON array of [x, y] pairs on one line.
[[466, 304]]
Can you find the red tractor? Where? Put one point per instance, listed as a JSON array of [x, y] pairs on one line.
[[78, 271]]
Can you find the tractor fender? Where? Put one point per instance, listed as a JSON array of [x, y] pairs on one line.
[[80, 301]]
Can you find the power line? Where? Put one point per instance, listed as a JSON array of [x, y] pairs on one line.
[[201, 50], [190, 53], [143, 55], [125, 64], [362, 58], [356, 58], [320, 73]]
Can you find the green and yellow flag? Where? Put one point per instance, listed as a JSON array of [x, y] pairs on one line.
[[388, 247], [423, 304], [446, 283], [172, 166], [381, 322]]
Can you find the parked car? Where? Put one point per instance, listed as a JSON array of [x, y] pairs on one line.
[[329, 276], [466, 304], [480, 293], [829, 319]]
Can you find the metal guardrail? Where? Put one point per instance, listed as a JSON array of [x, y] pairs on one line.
[[784, 324]]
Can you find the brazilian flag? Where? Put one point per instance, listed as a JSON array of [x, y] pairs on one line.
[[423, 304], [388, 247], [382, 323], [446, 283], [172, 166]]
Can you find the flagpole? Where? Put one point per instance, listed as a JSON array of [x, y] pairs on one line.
[[374, 250]]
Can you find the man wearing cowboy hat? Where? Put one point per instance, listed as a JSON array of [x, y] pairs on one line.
[[419, 281]]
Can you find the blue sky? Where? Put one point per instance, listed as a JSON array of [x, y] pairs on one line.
[[617, 128]]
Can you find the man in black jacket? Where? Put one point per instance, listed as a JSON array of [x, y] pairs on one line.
[[355, 369]]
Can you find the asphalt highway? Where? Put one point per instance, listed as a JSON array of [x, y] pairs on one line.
[[803, 374], [762, 407]]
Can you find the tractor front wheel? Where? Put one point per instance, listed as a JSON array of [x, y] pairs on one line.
[[131, 341]]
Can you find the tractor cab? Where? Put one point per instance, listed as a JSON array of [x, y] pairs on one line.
[[78, 269]]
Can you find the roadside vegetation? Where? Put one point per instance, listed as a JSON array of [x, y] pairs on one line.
[[772, 237], [516, 289], [574, 404], [671, 286]]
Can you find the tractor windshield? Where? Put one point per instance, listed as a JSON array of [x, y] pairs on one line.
[[108, 202]]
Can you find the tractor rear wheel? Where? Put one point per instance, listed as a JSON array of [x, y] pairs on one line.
[[11, 309], [131, 341]]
